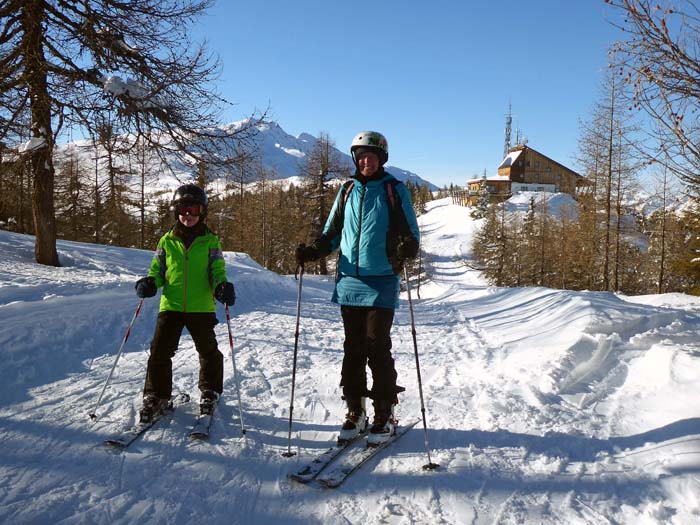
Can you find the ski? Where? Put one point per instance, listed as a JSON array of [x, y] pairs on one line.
[[131, 433], [201, 427], [354, 459], [320, 462]]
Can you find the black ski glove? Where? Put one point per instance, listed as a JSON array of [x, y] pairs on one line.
[[225, 294], [305, 253], [407, 248], [146, 287]]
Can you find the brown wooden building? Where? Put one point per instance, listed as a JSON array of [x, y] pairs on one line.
[[526, 169]]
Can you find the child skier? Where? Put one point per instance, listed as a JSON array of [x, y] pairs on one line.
[[189, 266], [373, 223]]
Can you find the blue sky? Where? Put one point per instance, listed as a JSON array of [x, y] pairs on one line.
[[436, 78]]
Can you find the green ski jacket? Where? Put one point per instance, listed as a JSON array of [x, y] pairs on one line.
[[188, 276]]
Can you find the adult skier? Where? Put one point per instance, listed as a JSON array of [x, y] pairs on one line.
[[373, 223], [189, 266]]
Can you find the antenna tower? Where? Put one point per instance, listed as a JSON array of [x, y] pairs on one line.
[[509, 123]]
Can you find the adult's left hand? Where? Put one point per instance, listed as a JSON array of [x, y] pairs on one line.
[[407, 248]]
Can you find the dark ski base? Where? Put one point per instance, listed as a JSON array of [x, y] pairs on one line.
[[357, 457], [201, 427], [131, 433], [312, 469]]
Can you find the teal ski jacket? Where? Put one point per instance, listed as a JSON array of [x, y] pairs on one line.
[[367, 228]]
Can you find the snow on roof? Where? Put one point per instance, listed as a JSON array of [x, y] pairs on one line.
[[494, 178], [510, 159]]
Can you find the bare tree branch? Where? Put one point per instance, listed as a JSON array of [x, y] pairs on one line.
[[660, 61]]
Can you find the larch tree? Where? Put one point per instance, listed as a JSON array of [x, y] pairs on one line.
[[73, 63], [607, 155], [323, 164]]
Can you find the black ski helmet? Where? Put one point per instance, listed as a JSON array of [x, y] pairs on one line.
[[190, 194]]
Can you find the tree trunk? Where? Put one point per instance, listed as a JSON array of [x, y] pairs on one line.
[[662, 258], [41, 157], [608, 190], [141, 149]]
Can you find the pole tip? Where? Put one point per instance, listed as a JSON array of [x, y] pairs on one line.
[[431, 466], [289, 454], [93, 416]]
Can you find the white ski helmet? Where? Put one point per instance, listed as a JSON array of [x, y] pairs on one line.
[[372, 140]]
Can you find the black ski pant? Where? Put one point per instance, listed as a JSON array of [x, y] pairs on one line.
[[368, 342], [200, 325]]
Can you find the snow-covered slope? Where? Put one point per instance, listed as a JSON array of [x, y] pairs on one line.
[[543, 406]]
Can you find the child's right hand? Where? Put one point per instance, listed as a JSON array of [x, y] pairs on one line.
[[146, 287]]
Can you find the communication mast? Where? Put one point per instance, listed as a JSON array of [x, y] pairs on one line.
[[509, 123]]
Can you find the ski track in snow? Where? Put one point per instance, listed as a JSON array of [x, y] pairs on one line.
[[543, 406]]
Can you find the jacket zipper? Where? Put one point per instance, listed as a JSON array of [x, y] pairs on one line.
[[184, 285], [359, 233]]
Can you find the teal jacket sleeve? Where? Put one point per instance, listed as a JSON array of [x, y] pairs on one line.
[[332, 231], [408, 211]]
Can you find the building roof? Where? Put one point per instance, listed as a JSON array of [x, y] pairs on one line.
[[514, 153]]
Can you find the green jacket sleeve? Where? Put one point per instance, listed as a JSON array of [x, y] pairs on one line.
[[217, 265], [158, 264]]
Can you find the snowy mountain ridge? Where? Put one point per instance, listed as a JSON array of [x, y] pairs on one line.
[[281, 154], [543, 406]]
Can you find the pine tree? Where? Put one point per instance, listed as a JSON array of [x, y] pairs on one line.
[[483, 201]]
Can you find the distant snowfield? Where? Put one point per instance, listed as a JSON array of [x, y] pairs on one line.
[[543, 406]]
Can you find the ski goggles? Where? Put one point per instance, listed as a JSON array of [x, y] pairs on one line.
[[189, 209]]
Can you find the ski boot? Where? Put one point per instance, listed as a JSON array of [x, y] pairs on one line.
[[383, 424], [152, 406], [355, 420], [207, 402]]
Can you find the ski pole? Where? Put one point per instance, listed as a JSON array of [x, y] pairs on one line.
[[300, 272], [430, 465], [235, 372], [93, 414]]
